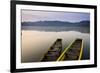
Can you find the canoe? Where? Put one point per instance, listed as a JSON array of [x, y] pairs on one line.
[[73, 51], [54, 52]]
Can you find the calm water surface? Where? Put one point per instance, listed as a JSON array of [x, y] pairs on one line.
[[37, 40]]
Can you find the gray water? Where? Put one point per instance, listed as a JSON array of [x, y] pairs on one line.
[[37, 40], [56, 28]]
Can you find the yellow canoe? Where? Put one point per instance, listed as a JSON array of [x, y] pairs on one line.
[[73, 51]]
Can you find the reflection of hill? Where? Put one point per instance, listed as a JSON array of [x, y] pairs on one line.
[[57, 28], [57, 23]]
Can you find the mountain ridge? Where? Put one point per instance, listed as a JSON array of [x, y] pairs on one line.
[[56, 23]]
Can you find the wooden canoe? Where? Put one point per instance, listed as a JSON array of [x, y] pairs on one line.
[[73, 51]]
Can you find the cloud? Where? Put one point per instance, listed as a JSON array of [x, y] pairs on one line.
[[32, 16]]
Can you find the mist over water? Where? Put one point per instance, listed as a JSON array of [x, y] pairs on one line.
[[37, 40], [56, 28]]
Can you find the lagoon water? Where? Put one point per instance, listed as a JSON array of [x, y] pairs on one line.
[[37, 40]]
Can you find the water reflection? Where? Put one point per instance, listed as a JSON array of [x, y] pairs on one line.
[[56, 28], [36, 43]]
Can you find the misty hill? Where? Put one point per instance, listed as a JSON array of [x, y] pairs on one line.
[[57, 23]]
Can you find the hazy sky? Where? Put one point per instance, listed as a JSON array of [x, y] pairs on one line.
[[32, 16]]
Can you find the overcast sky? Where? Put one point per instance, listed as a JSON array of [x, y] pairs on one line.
[[32, 16]]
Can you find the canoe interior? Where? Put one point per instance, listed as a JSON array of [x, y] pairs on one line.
[[73, 51], [55, 52]]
